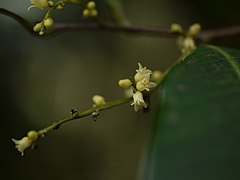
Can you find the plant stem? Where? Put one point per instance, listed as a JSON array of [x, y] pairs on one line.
[[78, 115], [130, 29]]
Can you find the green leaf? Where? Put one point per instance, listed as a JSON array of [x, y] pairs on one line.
[[197, 133]]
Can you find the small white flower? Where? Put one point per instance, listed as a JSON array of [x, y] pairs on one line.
[[142, 73], [145, 84], [41, 4], [138, 101], [22, 144]]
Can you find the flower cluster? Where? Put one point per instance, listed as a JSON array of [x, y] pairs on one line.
[[46, 24], [90, 10], [186, 42], [25, 142], [141, 83]]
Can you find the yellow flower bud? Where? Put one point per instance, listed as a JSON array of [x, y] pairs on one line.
[[98, 100], [125, 83], [41, 33], [51, 3], [86, 13], [91, 5], [156, 76], [32, 135], [93, 13], [176, 28], [189, 44], [38, 27], [48, 23], [140, 86], [194, 29]]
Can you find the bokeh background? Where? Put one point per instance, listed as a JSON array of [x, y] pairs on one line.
[[42, 79]]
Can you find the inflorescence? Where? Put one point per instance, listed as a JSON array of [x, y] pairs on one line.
[[138, 89], [47, 24], [187, 40]]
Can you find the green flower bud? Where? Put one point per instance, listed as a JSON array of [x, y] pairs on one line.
[[48, 23], [176, 28], [86, 13], [91, 5], [51, 3], [125, 83], [98, 100], [194, 29], [41, 33], [157, 76], [93, 13], [32, 135], [38, 27]]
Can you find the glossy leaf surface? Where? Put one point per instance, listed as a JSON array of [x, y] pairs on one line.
[[197, 132]]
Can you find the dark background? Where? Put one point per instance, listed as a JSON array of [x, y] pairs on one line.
[[41, 80]]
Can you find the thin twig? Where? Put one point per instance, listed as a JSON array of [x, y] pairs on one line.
[[137, 30], [111, 27], [78, 115], [220, 33]]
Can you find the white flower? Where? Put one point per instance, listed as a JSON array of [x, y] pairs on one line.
[[138, 101], [145, 84], [22, 144], [41, 4], [142, 73]]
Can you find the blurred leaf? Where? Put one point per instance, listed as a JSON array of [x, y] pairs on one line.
[[117, 11], [197, 133]]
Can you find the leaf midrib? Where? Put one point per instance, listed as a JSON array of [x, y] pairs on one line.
[[229, 59]]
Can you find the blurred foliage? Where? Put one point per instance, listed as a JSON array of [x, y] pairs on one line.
[[41, 80]]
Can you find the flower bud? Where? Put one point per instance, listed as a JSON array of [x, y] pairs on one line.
[[156, 76], [51, 3], [93, 13], [125, 83], [98, 100], [189, 44], [140, 86], [194, 29], [32, 135], [91, 5], [86, 13], [176, 28], [41, 33], [48, 23], [38, 27]]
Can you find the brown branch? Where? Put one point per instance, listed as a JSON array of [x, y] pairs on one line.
[[220, 33], [138, 30]]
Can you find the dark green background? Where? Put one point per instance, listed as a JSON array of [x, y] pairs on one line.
[[41, 80]]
